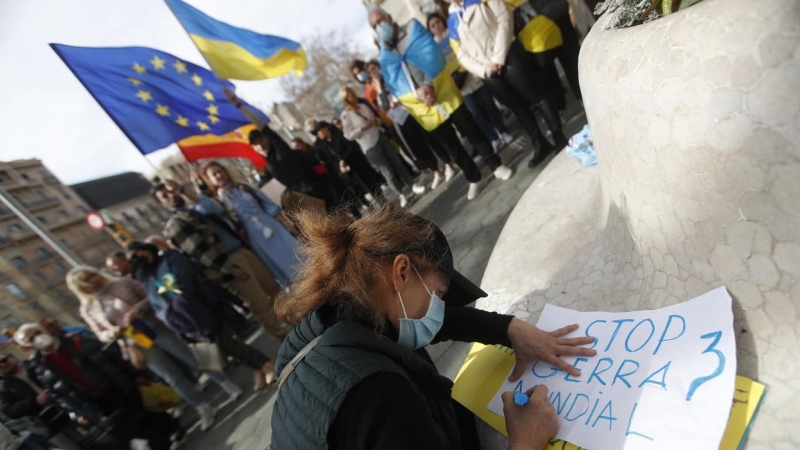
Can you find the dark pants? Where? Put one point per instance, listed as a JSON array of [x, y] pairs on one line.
[[419, 145], [133, 422], [519, 86], [446, 135], [362, 174], [483, 109], [568, 54], [241, 351], [389, 163], [554, 91]]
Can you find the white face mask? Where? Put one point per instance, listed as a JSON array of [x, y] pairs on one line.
[[417, 333], [44, 342]]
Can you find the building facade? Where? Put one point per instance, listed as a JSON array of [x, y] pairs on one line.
[[32, 283], [126, 199]]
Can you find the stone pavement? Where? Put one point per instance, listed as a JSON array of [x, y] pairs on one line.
[[472, 229]]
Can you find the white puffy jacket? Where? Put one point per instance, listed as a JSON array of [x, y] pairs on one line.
[[485, 31]]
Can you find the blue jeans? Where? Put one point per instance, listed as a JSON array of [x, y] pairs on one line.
[[482, 107], [161, 360]]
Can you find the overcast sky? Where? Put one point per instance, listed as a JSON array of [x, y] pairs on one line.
[[45, 112]]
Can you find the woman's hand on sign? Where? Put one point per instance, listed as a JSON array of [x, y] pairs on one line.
[[531, 344], [533, 425]]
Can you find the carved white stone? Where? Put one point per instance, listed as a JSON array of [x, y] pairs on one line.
[[696, 122]]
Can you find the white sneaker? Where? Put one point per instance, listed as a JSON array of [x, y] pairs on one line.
[[497, 144], [507, 138], [207, 413], [234, 391], [418, 189], [449, 173], [177, 412], [503, 173], [403, 201], [474, 190], [437, 180]]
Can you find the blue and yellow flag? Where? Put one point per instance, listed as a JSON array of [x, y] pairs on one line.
[[236, 53], [154, 97]]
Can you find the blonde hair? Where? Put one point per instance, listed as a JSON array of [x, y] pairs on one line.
[[343, 95], [78, 285]]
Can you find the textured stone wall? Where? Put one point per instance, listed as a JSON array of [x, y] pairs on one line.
[[696, 121]]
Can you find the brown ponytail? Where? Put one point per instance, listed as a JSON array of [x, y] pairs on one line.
[[348, 262]]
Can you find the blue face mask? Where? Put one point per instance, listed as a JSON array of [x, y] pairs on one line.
[[417, 333], [385, 32], [362, 77]]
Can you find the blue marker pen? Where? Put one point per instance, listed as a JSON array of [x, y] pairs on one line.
[[521, 399]]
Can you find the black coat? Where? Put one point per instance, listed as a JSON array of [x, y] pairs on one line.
[[17, 399], [287, 165]]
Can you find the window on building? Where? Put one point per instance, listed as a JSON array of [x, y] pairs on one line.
[[15, 228], [61, 213], [37, 276], [41, 219], [20, 262], [43, 252], [25, 176], [4, 176], [60, 268], [64, 192], [2, 274], [81, 209], [16, 291]]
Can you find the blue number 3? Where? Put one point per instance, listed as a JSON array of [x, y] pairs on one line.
[[697, 382]]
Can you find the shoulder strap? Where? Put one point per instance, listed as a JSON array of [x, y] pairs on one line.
[[296, 360]]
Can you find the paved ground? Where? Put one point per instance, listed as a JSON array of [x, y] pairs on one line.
[[472, 229]]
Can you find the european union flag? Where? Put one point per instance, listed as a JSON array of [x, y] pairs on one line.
[[155, 98]]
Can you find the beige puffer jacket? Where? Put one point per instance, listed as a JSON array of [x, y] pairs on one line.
[[485, 31]]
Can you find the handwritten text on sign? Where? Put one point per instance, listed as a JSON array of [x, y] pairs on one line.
[[662, 379]]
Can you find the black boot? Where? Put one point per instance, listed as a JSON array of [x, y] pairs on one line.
[[553, 122]]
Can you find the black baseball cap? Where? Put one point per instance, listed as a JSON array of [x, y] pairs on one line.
[[462, 291]]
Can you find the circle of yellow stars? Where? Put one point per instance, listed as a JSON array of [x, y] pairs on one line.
[[179, 66]]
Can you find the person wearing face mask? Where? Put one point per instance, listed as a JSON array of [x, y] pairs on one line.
[[414, 70], [372, 294], [200, 228], [267, 228], [182, 299], [110, 305], [93, 383], [22, 409]]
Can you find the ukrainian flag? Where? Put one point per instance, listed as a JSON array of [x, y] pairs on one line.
[[236, 53]]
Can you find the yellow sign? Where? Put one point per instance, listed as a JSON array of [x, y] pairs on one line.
[[486, 366]]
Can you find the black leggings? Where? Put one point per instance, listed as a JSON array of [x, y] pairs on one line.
[[519, 86], [419, 146], [446, 135]]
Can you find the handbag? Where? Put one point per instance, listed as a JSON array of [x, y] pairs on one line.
[[208, 355]]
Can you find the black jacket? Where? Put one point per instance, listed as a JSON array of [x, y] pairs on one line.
[[287, 165], [17, 399]]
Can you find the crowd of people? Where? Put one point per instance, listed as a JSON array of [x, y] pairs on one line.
[[355, 289]]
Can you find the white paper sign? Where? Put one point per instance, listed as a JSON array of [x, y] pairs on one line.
[[661, 379]]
